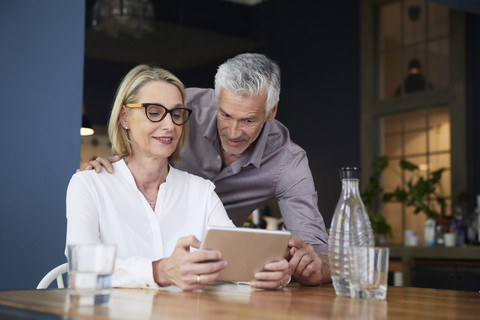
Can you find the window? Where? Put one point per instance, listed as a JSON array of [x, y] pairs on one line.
[[423, 122], [422, 138], [413, 47]]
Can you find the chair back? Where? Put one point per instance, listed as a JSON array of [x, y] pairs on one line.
[[54, 274]]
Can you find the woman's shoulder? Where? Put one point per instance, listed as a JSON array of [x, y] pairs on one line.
[[103, 176]]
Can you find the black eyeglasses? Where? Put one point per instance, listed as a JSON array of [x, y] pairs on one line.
[[156, 112]]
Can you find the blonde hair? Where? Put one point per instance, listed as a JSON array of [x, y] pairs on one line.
[[127, 92]]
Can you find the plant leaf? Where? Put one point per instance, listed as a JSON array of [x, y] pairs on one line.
[[407, 165], [437, 175], [381, 163]]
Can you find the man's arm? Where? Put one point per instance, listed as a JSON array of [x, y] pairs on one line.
[[298, 203]]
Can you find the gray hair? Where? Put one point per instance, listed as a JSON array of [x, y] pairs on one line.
[[250, 74]]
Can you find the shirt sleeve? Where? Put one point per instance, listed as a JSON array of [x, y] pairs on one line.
[[298, 202], [83, 227], [82, 212], [134, 272]]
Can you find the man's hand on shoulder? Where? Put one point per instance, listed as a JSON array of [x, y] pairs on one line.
[[307, 266], [100, 162]]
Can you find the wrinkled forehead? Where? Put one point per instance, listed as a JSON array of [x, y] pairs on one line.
[[229, 101]]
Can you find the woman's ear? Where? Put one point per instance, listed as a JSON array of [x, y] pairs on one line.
[[124, 117]]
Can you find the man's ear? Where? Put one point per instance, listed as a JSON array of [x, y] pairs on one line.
[[272, 113]]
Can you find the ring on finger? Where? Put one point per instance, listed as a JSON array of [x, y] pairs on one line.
[[198, 278]]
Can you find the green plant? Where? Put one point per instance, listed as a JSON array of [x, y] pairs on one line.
[[380, 225], [373, 191], [373, 194], [420, 192], [249, 224]]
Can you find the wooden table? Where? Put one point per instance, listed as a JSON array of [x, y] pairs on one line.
[[241, 302]]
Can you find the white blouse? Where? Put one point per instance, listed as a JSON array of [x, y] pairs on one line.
[[109, 208]]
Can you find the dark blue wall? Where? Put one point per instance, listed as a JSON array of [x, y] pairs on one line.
[[41, 75]]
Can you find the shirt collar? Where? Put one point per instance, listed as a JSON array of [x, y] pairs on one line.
[[255, 157]]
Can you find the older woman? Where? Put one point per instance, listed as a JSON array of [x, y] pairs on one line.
[[152, 211]]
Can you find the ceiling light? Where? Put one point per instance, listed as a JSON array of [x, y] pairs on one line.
[[86, 129], [133, 17]]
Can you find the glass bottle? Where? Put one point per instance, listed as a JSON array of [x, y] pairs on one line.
[[350, 227], [429, 232]]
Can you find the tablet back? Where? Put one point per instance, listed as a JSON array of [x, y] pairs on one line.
[[246, 250]]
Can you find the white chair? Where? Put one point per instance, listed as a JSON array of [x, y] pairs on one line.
[[54, 274]]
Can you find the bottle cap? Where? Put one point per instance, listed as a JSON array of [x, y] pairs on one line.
[[349, 173]]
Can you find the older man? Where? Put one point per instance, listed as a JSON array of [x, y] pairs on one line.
[[236, 142]]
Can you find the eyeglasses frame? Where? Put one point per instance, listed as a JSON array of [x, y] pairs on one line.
[[167, 111]]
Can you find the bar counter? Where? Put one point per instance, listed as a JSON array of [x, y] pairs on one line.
[[230, 301]]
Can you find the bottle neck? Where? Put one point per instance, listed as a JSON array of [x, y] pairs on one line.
[[350, 186]]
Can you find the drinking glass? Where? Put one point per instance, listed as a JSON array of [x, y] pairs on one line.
[[90, 269], [368, 272]]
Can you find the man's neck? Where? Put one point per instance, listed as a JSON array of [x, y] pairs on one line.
[[228, 158]]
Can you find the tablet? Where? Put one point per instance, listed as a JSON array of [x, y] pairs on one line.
[[246, 250]]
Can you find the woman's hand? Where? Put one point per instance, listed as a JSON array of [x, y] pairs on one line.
[[276, 275], [189, 270]]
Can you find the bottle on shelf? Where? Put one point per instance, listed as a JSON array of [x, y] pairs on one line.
[[457, 226], [430, 226], [350, 227]]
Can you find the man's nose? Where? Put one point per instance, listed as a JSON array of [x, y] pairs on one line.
[[234, 130]]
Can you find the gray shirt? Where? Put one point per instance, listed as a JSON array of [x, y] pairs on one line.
[[275, 168]]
